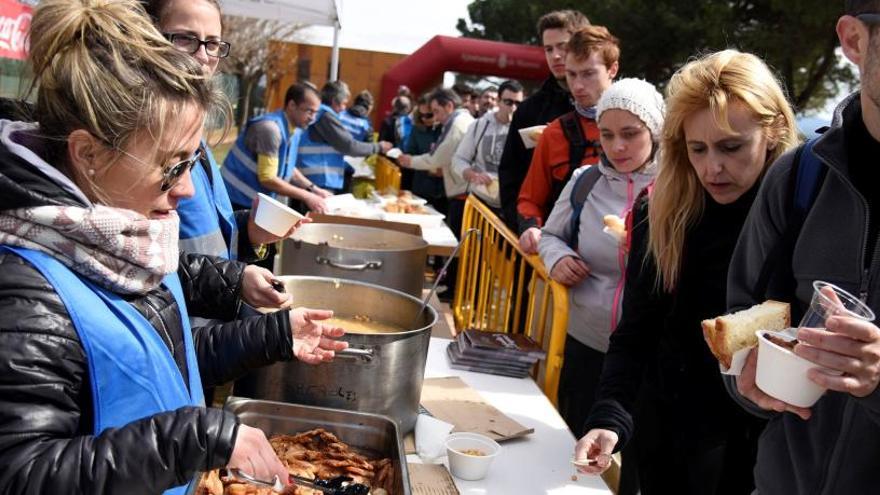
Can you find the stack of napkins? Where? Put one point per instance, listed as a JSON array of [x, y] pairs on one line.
[[497, 353]]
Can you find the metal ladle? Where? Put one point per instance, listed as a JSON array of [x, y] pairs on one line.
[[442, 273]]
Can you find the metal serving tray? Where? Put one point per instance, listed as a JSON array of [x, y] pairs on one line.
[[373, 435]]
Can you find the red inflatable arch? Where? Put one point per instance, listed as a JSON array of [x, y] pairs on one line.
[[425, 66]]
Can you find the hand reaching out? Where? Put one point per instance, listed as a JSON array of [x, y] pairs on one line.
[[313, 341]]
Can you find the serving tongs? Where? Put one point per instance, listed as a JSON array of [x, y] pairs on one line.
[[340, 485]]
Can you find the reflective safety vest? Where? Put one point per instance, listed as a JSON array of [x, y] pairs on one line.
[[207, 223], [318, 161], [359, 127], [240, 166], [132, 373]]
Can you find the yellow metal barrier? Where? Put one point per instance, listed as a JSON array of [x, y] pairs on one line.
[[387, 175], [501, 289]]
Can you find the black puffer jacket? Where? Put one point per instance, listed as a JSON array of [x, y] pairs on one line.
[[46, 440]]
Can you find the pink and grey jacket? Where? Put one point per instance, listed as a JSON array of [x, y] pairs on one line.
[[594, 304]]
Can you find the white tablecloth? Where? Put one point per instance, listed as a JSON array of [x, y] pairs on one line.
[[540, 462]]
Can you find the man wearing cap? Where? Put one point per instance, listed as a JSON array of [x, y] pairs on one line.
[[832, 447]]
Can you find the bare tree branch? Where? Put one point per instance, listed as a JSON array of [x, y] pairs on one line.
[[250, 57]]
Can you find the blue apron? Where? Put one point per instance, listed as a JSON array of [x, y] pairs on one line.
[[131, 371], [240, 166], [207, 223], [319, 161]]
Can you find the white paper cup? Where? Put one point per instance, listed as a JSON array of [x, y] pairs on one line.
[[466, 466], [782, 374], [274, 216]]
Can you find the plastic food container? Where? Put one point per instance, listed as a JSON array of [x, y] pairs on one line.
[[274, 216], [465, 461], [782, 374]]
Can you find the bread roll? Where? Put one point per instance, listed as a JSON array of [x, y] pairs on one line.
[[727, 334], [615, 226]]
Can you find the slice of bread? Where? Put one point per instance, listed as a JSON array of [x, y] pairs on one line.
[[727, 334]]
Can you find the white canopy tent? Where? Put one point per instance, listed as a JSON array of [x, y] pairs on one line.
[[310, 12]]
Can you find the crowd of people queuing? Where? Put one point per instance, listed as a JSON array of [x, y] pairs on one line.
[[127, 251]]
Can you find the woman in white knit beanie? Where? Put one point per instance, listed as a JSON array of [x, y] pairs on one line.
[[585, 256]]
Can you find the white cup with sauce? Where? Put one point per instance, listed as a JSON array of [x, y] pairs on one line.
[[470, 455], [782, 374]]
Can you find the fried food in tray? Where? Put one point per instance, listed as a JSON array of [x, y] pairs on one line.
[[312, 454]]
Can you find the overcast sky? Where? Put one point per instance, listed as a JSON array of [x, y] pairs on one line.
[[396, 26]]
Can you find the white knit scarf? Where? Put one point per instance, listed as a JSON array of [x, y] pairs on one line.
[[117, 249]]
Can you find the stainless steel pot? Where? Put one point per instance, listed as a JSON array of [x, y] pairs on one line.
[[383, 257], [380, 373]]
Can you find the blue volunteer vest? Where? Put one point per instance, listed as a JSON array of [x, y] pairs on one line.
[[359, 127], [403, 126], [240, 166], [318, 161], [131, 372], [207, 223]]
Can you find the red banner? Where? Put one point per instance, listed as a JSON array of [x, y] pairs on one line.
[[15, 21]]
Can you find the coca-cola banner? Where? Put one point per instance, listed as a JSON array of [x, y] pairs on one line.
[[15, 20]]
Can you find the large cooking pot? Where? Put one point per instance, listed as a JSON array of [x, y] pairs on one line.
[[383, 257], [379, 373]]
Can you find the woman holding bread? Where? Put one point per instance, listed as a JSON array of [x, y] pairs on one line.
[[580, 255], [727, 120]]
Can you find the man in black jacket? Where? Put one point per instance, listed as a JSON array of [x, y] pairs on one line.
[[546, 104], [834, 446]]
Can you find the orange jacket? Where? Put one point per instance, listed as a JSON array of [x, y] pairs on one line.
[[550, 170]]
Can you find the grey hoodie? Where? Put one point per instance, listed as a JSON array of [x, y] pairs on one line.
[[594, 304], [837, 451]]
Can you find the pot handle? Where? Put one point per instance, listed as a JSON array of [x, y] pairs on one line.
[[375, 265], [365, 355]]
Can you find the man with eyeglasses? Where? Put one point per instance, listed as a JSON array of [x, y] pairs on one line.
[[832, 447], [477, 156], [264, 155], [326, 142]]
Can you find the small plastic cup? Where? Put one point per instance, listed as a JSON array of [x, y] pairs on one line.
[[782, 374], [274, 216], [463, 450], [829, 300]]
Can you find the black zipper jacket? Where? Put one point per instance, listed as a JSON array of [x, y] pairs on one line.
[[836, 451], [46, 440], [545, 105]]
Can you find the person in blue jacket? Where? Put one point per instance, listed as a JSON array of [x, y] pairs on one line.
[[208, 222], [100, 370], [326, 141], [356, 118]]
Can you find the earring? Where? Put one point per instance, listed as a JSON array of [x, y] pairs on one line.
[[91, 172]]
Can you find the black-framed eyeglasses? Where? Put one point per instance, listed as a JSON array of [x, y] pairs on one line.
[[171, 174], [511, 102], [869, 18], [191, 44], [427, 115]]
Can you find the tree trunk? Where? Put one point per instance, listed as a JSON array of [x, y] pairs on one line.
[[246, 103], [816, 78]]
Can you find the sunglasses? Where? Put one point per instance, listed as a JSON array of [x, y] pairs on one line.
[[190, 44], [511, 102], [171, 174]]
